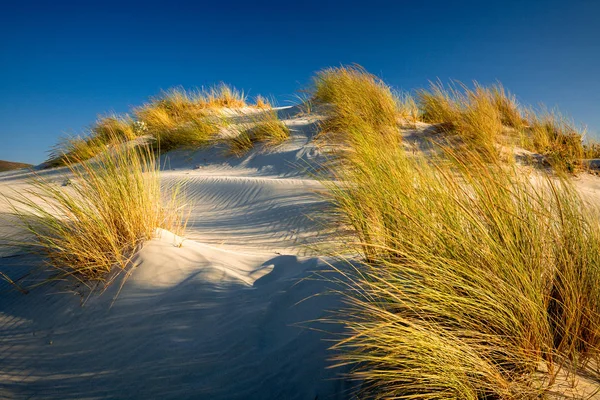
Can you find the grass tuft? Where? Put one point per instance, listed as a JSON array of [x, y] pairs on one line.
[[473, 280], [264, 127], [439, 105], [508, 107], [224, 95], [262, 103], [556, 138], [355, 98], [179, 119], [112, 205]]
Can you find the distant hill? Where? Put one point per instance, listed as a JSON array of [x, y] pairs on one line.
[[8, 165]]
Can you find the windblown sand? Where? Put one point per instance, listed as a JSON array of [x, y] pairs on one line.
[[228, 312]]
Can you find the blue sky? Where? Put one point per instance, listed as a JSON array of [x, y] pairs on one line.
[[64, 63]]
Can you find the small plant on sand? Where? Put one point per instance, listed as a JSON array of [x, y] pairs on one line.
[[591, 149], [264, 127], [354, 97], [556, 138], [474, 283], [92, 227]]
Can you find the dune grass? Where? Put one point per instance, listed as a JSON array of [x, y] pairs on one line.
[[354, 97], [556, 138], [264, 127], [507, 105], [407, 107], [90, 228], [224, 96], [439, 105], [179, 119], [473, 280], [262, 103], [473, 114], [99, 136]]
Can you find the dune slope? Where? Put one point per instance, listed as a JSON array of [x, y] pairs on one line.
[[223, 313]]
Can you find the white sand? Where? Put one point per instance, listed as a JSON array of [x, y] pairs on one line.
[[223, 314]]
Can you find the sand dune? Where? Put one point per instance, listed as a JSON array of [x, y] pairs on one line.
[[222, 313]]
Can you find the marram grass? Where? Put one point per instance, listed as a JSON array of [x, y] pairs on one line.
[[474, 277], [263, 126], [354, 97], [112, 205]]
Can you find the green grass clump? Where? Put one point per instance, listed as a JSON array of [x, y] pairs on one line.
[[556, 138], [355, 97], [111, 206], [473, 280], [264, 127]]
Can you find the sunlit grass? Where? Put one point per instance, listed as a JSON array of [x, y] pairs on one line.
[[264, 127], [556, 138], [354, 97], [472, 280], [112, 205]]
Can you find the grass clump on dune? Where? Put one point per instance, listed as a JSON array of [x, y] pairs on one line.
[[113, 204], [480, 121], [179, 118], [473, 114], [224, 96], [439, 105], [264, 127], [556, 138], [473, 281], [507, 105], [355, 97], [100, 135]]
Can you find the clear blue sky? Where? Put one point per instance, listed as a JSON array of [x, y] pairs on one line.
[[63, 63]]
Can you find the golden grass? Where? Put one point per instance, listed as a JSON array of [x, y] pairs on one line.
[[113, 204], [114, 126], [556, 138], [591, 149], [480, 121], [264, 127], [262, 103], [100, 135], [354, 97], [179, 119], [472, 279], [223, 95], [407, 107], [439, 105], [507, 105]]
